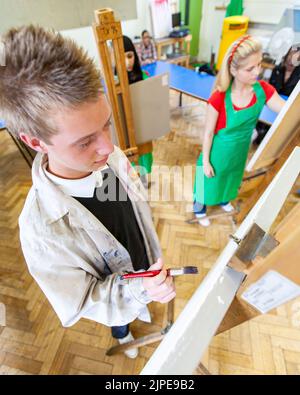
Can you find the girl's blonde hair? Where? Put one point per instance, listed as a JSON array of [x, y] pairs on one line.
[[236, 53]]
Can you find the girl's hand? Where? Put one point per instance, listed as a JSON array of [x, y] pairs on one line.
[[208, 170]]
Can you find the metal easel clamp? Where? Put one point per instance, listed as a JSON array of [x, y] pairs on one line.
[[256, 242]]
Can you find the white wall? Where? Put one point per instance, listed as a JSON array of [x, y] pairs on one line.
[[135, 27], [59, 14], [85, 37], [266, 12], [211, 27]]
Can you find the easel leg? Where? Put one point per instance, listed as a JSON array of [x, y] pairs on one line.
[[149, 339], [201, 370]]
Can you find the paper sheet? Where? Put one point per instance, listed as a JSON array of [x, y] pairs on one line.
[[270, 291]]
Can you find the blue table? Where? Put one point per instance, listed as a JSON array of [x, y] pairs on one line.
[[183, 80], [195, 84]]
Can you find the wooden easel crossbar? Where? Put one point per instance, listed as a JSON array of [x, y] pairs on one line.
[[107, 29]]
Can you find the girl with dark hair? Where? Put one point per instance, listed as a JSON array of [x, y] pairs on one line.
[[133, 66], [284, 78], [135, 74], [286, 75]]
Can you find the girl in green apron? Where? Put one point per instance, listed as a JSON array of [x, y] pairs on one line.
[[232, 113]]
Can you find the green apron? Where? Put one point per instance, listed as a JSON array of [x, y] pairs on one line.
[[146, 160], [229, 152]]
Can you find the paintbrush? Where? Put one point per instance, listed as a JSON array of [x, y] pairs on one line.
[[170, 272]]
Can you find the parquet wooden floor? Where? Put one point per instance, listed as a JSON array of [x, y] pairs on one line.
[[33, 341]]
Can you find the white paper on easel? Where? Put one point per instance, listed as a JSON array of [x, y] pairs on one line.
[[186, 342], [161, 18], [165, 80], [270, 291]]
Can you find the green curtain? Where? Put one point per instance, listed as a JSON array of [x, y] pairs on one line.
[[235, 7]]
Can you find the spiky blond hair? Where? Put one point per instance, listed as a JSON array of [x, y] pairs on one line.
[[42, 72]]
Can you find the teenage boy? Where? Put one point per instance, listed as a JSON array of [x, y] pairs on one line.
[[84, 221]]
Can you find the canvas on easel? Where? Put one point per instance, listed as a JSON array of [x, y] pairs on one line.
[[279, 142], [186, 342], [282, 131], [108, 30], [151, 109], [151, 104], [161, 18], [275, 281]]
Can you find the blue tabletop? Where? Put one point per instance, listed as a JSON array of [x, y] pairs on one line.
[[183, 79], [195, 84]]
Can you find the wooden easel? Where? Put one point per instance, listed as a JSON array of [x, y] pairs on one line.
[[267, 177], [149, 339], [276, 147], [154, 338], [105, 29], [284, 258], [286, 249], [253, 252]]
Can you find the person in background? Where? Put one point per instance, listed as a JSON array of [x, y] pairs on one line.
[[135, 74], [146, 49], [284, 78], [286, 75], [232, 113]]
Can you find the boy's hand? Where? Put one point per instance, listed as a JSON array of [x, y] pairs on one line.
[[208, 170], [160, 288]]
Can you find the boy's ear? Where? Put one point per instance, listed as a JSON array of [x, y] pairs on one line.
[[34, 143]]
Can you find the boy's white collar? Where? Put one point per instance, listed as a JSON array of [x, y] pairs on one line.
[[82, 187]]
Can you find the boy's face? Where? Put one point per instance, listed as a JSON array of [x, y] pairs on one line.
[[83, 142]]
